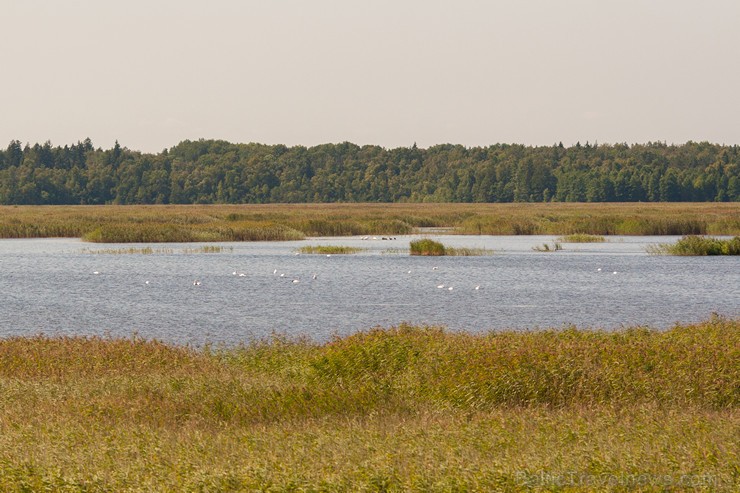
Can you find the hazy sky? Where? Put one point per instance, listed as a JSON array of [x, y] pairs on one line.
[[151, 73]]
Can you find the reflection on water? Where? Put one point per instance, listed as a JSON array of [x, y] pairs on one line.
[[51, 288]]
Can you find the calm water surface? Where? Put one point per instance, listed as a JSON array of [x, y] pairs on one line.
[[50, 287]]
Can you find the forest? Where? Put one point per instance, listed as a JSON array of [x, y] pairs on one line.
[[220, 172]]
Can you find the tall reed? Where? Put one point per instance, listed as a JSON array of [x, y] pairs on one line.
[[698, 246], [427, 247], [289, 221], [404, 408]]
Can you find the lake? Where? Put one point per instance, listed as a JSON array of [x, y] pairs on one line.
[[59, 287]]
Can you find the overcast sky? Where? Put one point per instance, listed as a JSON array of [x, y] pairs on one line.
[[151, 73]]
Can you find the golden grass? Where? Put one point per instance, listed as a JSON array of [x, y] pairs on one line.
[[401, 409], [328, 249], [582, 238], [178, 223]]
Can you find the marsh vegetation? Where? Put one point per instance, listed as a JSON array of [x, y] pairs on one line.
[[698, 246], [398, 409], [147, 250], [582, 238], [430, 248], [180, 223], [329, 249]]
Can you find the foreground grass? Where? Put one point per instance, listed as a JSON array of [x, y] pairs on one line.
[[206, 223], [401, 409]]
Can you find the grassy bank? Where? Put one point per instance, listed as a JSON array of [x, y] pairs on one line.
[[181, 223], [401, 409]]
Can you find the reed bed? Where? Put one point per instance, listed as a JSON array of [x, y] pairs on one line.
[[582, 238], [467, 252], [399, 409], [431, 248], [205, 223], [427, 247], [698, 246], [328, 250]]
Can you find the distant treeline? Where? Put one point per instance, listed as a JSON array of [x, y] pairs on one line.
[[215, 171]]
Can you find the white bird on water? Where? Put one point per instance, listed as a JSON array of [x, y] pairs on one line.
[[196, 283]]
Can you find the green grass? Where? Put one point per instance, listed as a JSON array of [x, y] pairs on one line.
[[698, 246], [284, 222], [427, 247], [399, 409], [582, 238], [329, 249]]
